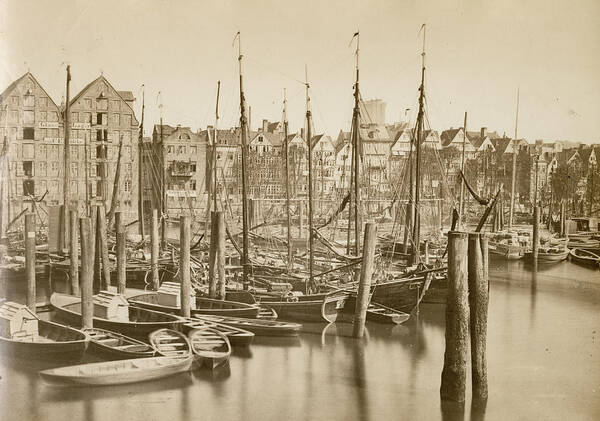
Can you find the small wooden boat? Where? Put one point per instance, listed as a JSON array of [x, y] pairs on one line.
[[53, 342], [376, 313], [585, 257], [265, 313], [549, 255], [117, 372], [170, 343], [139, 322], [236, 336], [211, 348], [257, 326], [583, 243], [307, 308], [114, 346], [203, 306]]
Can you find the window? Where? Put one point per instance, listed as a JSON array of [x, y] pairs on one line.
[[41, 152], [43, 116], [74, 116], [28, 117], [128, 168], [73, 152], [101, 118], [28, 188], [101, 152], [28, 168], [127, 151], [28, 133], [114, 105], [74, 169], [102, 104], [192, 184], [193, 150], [85, 117], [42, 168], [181, 150], [14, 100], [192, 167], [87, 103], [126, 120], [14, 116], [116, 119], [170, 149], [42, 101], [127, 186], [52, 116]]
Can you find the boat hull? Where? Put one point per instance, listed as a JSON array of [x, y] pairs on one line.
[[401, 294], [257, 326], [137, 349], [163, 367], [320, 308], [70, 348], [141, 322]]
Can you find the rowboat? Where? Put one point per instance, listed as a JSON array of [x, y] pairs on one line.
[[265, 313], [376, 313], [257, 326], [170, 343], [583, 243], [236, 336], [114, 346], [549, 255], [139, 324], [400, 294], [211, 348], [53, 342], [307, 308], [585, 257], [203, 306], [117, 372]]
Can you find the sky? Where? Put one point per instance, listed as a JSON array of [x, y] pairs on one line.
[[478, 54]]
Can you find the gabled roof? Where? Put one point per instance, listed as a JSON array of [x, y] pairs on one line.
[[273, 126], [374, 133], [448, 136], [166, 130], [317, 138], [126, 95], [101, 77], [227, 137], [501, 144], [13, 85]]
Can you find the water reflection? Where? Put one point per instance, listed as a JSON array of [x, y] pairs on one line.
[[360, 379]]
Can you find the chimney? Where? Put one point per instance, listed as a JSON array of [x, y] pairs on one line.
[[265, 126], [302, 133], [483, 132]]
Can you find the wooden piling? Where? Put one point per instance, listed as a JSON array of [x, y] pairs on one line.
[[154, 251], [536, 223], [97, 265], [364, 286], [212, 256], [478, 306], [105, 278], [220, 258], [121, 254], [30, 259], [184, 264], [74, 254], [457, 320], [87, 257]]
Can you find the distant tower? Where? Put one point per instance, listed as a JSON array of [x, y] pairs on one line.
[[374, 111]]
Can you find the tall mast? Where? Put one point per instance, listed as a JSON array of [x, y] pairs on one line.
[[310, 183], [461, 208], [244, 128], [417, 219], [287, 183], [214, 154], [514, 168], [356, 152], [140, 177], [163, 190], [67, 178]]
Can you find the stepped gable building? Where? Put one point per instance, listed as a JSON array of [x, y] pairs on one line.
[[101, 119], [184, 153], [31, 150]]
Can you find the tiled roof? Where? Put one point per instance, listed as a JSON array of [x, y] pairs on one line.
[[126, 95], [449, 135]]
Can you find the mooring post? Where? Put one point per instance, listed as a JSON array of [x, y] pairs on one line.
[[105, 278], [536, 223], [364, 286], [184, 264], [478, 303], [87, 304], [30, 259], [454, 372], [121, 254], [212, 256], [74, 254], [563, 218], [154, 251], [97, 266], [222, 283]]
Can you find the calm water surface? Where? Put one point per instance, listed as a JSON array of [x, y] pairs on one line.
[[543, 363]]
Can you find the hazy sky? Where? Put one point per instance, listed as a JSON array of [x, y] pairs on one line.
[[478, 53]]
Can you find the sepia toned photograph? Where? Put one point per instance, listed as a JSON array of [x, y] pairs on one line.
[[299, 210]]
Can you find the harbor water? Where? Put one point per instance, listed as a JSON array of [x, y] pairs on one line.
[[543, 363]]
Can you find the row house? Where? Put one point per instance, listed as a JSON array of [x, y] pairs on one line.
[[102, 121], [181, 154], [32, 148], [323, 161], [265, 163]]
